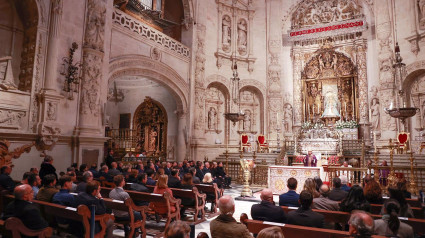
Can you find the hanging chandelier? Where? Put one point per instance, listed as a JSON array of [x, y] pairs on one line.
[[235, 116]]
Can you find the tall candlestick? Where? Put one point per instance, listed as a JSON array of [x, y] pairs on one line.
[[374, 141], [313, 109]]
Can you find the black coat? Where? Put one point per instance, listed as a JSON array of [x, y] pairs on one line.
[[88, 200], [27, 212], [219, 172], [200, 174], [108, 161], [47, 168], [7, 182], [267, 211], [304, 217], [174, 182], [337, 194]]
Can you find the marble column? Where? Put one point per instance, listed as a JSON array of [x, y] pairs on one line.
[[181, 136]]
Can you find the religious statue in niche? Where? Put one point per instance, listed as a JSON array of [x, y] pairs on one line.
[[226, 33], [287, 118], [152, 140], [331, 105], [247, 121], [212, 119], [375, 114], [421, 13], [242, 36]]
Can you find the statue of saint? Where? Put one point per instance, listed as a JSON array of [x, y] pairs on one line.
[[247, 121], [226, 30], [152, 140], [375, 115], [212, 119], [242, 29], [287, 116], [331, 106]]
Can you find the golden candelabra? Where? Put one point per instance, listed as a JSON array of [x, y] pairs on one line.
[[391, 179], [376, 172], [413, 188], [246, 169]]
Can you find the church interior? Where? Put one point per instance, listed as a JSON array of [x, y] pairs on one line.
[[270, 89]]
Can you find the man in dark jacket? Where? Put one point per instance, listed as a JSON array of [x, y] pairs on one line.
[[93, 170], [47, 167], [140, 186], [174, 179], [195, 179], [200, 170], [290, 198], [304, 216], [92, 197], [23, 209], [6, 182], [150, 180], [267, 210], [337, 194], [110, 158], [221, 175]]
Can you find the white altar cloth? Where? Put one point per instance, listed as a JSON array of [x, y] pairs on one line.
[[279, 175]]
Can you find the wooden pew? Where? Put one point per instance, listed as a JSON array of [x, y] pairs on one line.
[[17, 228], [418, 225], [288, 230], [80, 214], [199, 198], [152, 197], [211, 189], [129, 207], [417, 212]]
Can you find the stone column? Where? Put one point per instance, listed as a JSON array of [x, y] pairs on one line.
[[54, 40], [386, 71], [48, 127], [181, 136], [274, 68], [93, 54], [199, 110], [298, 107], [361, 47]]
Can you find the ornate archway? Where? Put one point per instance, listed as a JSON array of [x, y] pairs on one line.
[[150, 121]]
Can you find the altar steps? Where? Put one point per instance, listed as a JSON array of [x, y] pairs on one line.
[[260, 158]]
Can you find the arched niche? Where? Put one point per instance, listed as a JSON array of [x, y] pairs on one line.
[[414, 88], [216, 104], [252, 103], [150, 121], [18, 37]]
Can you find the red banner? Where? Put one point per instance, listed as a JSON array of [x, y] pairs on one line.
[[327, 28]]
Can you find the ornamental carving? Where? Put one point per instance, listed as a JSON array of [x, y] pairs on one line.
[[312, 12], [6, 156], [47, 137], [328, 64], [51, 111], [95, 30], [11, 119], [214, 105], [200, 57], [92, 76]]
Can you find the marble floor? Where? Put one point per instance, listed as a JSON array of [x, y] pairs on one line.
[[242, 206]]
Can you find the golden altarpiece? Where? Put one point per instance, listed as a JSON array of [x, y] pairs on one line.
[[329, 86], [150, 122]]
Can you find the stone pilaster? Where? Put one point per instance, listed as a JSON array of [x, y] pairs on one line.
[[361, 47]]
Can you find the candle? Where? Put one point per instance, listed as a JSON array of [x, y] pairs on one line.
[[313, 109], [374, 141]]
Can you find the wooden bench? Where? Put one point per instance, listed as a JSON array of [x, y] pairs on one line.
[[199, 198], [417, 212], [152, 197], [18, 228], [418, 225], [288, 230], [213, 190], [81, 214], [129, 206]]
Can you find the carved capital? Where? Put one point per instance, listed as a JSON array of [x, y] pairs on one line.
[[47, 137]]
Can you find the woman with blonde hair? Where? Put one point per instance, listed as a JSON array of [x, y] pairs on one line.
[[160, 188], [271, 232], [207, 179], [310, 186]]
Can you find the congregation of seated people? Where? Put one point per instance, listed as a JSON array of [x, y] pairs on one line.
[[81, 185]]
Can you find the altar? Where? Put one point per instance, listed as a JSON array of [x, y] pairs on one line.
[[279, 175]]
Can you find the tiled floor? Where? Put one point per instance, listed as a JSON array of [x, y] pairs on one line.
[[241, 207]]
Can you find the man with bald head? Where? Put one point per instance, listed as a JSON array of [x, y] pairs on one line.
[[323, 202], [225, 226], [361, 224], [267, 210], [23, 209]]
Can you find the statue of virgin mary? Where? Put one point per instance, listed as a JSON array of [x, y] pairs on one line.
[[331, 106]]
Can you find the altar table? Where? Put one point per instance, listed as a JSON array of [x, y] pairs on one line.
[[279, 175]]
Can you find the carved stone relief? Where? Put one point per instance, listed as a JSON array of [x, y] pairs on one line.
[[155, 54], [214, 105], [51, 111], [10, 119], [48, 137], [421, 7], [90, 87], [328, 64], [250, 105], [200, 57], [287, 118], [311, 12], [95, 28], [234, 34]]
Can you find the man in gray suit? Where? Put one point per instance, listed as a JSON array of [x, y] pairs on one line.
[[323, 202]]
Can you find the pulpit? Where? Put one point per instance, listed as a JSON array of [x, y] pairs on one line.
[[245, 143], [262, 143]]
